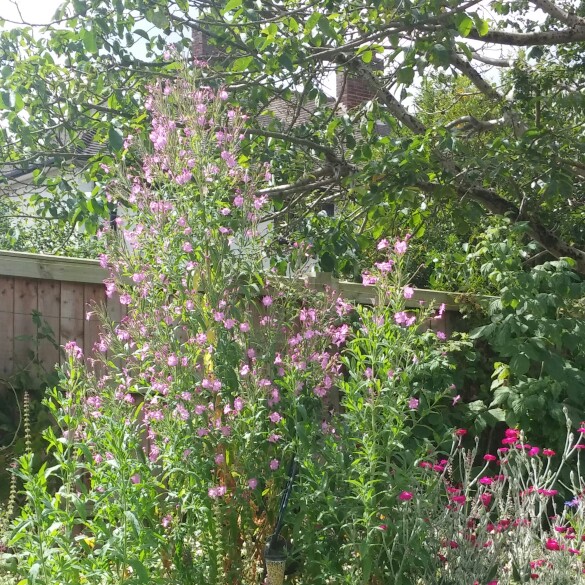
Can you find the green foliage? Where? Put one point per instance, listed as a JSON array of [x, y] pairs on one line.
[[537, 334]]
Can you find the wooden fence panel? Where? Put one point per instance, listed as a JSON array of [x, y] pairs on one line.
[[50, 312], [25, 302], [6, 325], [64, 290]]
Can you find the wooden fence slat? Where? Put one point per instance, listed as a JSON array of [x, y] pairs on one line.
[[50, 310], [25, 331], [92, 294], [72, 313], [6, 325]]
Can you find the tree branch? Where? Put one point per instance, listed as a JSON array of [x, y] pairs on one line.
[[555, 11], [553, 37]]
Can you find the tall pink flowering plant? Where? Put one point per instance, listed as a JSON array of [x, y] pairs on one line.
[[173, 443]]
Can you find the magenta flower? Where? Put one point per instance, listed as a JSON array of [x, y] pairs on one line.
[[405, 496], [252, 483], [485, 499], [267, 301], [441, 335], [135, 478], [413, 403], [274, 464], [548, 452], [382, 244], [552, 544]]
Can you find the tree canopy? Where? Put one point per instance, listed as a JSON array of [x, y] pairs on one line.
[[477, 108]]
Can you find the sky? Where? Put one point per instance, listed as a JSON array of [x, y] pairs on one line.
[[33, 11]]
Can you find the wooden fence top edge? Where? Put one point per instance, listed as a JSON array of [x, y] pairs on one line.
[[88, 271], [45, 267]]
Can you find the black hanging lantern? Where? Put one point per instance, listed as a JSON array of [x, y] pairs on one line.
[[277, 550]]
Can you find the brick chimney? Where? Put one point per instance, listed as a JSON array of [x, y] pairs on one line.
[[356, 90], [201, 49]]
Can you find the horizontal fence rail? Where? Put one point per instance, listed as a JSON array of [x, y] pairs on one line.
[[61, 292]]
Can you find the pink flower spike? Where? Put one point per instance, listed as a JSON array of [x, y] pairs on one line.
[[405, 496]]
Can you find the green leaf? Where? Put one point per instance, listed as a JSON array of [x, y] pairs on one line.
[[231, 5], [242, 63], [89, 41], [405, 75], [325, 26], [18, 102], [367, 56], [313, 19], [482, 26], [464, 24], [519, 364], [142, 33], [115, 139]]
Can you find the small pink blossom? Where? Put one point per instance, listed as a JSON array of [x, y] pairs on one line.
[[401, 246], [383, 244], [405, 496], [413, 403], [252, 483], [274, 464], [166, 521], [408, 292], [267, 301], [384, 267], [275, 417]]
